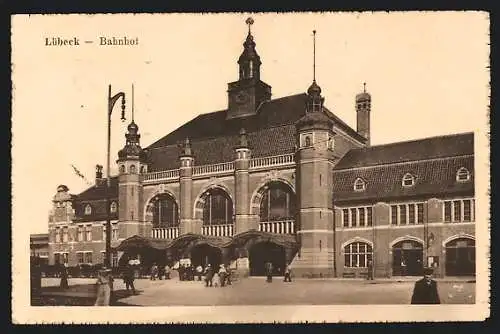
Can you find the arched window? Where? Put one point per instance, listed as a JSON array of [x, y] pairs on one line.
[[357, 255], [88, 209], [218, 207], [113, 207], [143, 169], [278, 203], [408, 180], [463, 175], [122, 169], [132, 169], [165, 211], [359, 184]]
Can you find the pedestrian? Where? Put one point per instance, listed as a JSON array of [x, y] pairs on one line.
[[425, 291], [403, 267], [369, 276], [208, 275], [64, 277], [216, 279], [269, 272], [228, 276], [128, 278], [167, 272], [104, 285], [288, 273], [199, 271], [222, 275], [154, 272]]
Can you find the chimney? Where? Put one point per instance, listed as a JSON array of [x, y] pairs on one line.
[[98, 175]]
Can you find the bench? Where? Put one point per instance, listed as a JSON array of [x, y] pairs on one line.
[[348, 275]]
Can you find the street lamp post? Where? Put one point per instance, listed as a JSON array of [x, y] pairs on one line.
[[111, 102]]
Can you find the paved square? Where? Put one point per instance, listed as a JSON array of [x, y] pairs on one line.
[[255, 291]]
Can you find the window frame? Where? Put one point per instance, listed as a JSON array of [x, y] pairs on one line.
[[357, 182], [351, 253], [408, 177], [87, 211], [460, 172]]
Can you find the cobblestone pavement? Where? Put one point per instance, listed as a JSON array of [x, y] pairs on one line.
[[255, 291]]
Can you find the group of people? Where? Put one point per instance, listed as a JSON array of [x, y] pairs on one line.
[[159, 272], [269, 272], [213, 277]]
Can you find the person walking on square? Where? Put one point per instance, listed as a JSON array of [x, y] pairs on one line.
[[199, 272], [222, 275], [288, 273], [425, 290], [209, 273], [128, 278], [154, 272], [370, 270], [64, 277], [269, 272], [167, 272]]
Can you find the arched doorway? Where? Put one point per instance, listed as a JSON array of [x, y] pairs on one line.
[[205, 254], [407, 258], [461, 257], [264, 252]]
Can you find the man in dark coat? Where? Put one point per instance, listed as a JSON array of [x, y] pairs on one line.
[[425, 291], [209, 274], [269, 272]]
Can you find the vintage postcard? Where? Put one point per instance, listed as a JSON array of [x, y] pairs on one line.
[[250, 167]]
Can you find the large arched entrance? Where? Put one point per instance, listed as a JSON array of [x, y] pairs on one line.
[[407, 258], [204, 254], [461, 257], [263, 252]]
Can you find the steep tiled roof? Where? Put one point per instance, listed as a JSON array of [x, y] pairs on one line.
[[95, 196], [271, 131], [427, 148], [433, 178]]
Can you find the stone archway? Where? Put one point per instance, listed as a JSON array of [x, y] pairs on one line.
[[258, 194], [266, 251], [199, 202], [407, 258], [460, 256]]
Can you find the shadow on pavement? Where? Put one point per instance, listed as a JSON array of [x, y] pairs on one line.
[[123, 293]]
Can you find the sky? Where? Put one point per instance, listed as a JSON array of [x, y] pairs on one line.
[[427, 74]]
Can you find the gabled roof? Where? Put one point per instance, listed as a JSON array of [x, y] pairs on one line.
[[270, 132], [95, 196], [421, 149], [433, 161]]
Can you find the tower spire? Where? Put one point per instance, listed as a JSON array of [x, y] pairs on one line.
[[364, 87], [314, 55], [132, 102], [249, 22]]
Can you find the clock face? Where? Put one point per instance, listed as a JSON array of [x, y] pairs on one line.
[[241, 98]]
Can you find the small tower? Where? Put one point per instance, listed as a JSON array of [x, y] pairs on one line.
[[249, 92], [131, 166], [186, 157], [315, 158], [241, 167], [363, 108]]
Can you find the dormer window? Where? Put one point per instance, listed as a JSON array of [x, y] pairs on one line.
[[408, 180], [463, 175], [306, 139], [359, 184], [88, 209], [113, 207]]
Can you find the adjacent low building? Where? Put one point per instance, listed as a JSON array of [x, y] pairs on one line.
[[281, 180]]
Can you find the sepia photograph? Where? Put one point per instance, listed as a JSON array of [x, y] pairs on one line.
[[250, 167]]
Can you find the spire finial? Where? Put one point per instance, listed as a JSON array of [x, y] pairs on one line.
[[364, 87], [249, 22], [314, 55], [132, 102]]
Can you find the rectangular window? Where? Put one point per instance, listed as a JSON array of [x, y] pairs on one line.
[[57, 258], [447, 211], [114, 260], [369, 216], [103, 232], [457, 214], [402, 215], [79, 257], [88, 233], [420, 213], [354, 219], [103, 256], [467, 211], [394, 215], [65, 258], [79, 233], [88, 257], [411, 214], [58, 234], [114, 232], [345, 217], [65, 234], [362, 221]]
